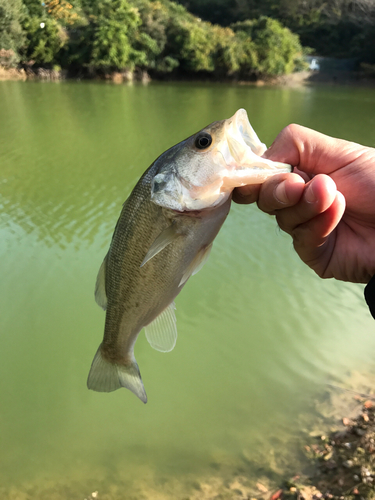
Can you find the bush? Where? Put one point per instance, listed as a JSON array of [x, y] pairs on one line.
[[113, 35], [152, 38], [12, 37], [104, 38], [45, 38], [278, 50], [226, 55]]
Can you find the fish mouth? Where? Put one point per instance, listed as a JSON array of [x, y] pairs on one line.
[[244, 150], [241, 135]]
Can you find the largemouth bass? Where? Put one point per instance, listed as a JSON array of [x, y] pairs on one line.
[[163, 236]]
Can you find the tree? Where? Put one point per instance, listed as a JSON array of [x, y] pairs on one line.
[[11, 35], [278, 50], [197, 45], [34, 8], [105, 38], [45, 38]]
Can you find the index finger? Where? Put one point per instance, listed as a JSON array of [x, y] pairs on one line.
[[311, 151]]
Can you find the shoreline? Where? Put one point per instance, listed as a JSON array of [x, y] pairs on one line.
[[301, 78], [344, 462]]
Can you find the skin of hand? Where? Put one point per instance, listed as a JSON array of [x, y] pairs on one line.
[[327, 204]]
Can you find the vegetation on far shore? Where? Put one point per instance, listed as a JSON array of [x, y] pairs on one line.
[[230, 39], [334, 28], [160, 37]]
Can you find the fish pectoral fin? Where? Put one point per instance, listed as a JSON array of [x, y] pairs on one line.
[[100, 293], [162, 332], [196, 264], [105, 376], [166, 237]]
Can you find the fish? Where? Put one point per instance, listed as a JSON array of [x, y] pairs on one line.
[[164, 236]]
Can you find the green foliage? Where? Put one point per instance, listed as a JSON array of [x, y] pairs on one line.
[[34, 8], [152, 36], [196, 46], [11, 34], [104, 39], [245, 50], [202, 47], [339, 28], [45, 37], [276, 47], [160, 36], [113, 29], [226, 52]]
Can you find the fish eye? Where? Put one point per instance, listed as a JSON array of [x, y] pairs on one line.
[[203, 141]]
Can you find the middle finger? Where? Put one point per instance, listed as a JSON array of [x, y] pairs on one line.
[[317, 197]]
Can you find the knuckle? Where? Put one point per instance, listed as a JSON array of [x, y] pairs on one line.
[[290, 130], [246, 194]]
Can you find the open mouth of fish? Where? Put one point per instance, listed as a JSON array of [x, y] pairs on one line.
[[242, 153]]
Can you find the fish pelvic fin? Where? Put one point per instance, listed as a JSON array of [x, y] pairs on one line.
[[197, 264], [105, 376]]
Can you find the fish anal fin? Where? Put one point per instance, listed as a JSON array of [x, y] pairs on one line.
[[100, 292], [166, 237], [105, 376], [162, 332], [196, 264]]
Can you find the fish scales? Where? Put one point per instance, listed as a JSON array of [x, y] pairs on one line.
[[146, 290]]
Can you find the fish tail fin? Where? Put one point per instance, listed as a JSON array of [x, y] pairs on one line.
[[105, 376]]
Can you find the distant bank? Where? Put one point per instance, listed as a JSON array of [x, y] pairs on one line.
[[365, 76]]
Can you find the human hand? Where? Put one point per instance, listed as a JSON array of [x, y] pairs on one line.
[[327, 205]]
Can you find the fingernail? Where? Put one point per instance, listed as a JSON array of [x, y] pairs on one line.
[[280, 193], [310, 195]]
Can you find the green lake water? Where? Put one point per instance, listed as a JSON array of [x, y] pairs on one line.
[[259, 334]]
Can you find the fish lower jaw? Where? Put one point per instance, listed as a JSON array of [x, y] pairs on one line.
[[253, 174], [215, 200]]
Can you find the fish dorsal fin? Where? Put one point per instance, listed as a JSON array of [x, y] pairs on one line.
[[162, 332], [165, 238], [100, 293], [196, 264]]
